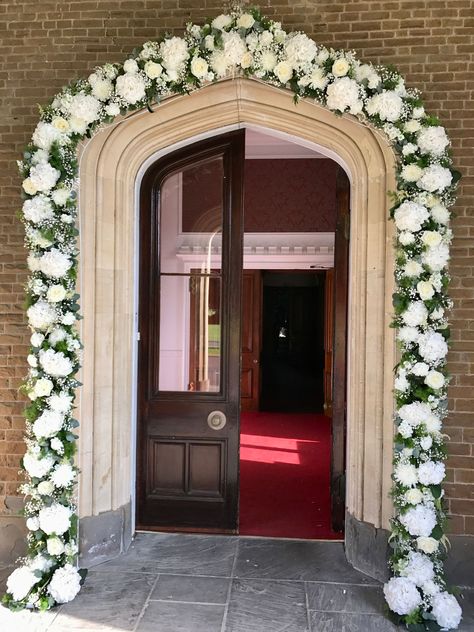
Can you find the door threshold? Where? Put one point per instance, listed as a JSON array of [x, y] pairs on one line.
[[196, 530], [202, 531]]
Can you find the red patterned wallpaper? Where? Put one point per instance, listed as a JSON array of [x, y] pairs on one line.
[[280, 196]]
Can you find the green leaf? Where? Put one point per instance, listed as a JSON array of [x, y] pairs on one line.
[[436, 490]]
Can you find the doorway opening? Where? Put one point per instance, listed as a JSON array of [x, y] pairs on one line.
[[222, 369]]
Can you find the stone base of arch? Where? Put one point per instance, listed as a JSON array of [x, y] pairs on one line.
[[110, 170]]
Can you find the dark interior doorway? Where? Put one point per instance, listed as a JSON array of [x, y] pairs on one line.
[[292, 341]]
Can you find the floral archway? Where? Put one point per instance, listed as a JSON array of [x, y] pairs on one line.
[[249, 44]]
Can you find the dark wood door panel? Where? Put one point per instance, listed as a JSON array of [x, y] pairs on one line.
[[187, 472], [251, 339]]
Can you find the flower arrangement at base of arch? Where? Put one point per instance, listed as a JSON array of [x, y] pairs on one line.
[[245, 43]]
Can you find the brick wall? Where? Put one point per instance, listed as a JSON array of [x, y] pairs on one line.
[[45, 44]]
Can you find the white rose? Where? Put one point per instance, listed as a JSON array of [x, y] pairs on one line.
[[425, 290], [199, 67], [43, 387], [418, 112], [32, 524], [153, 70], [36, 339], [130, 66], [431, 238], [29, 187], [247, 60], [427, 544], [209, 43], [60, 124], [413, 496], [340, 67], [284, 71], [406, 238], [409, 148], [435, 380], [56, 293], [426, 442], [411, 173], [412, 268], [55, 546], [45, 488], [246, 21], [112, 109], [32, 360]]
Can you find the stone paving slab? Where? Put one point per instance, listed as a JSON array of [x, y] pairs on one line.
[[192, 583]]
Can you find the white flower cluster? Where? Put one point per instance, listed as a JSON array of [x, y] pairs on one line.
[[243, 42]]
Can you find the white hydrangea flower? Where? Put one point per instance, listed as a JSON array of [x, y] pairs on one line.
[[406, 474], [300, 50], [409, 148], [431, 472], [420, 369], [54, 263], [415, 413], [55, 519], [366, 72], [406, 238], [43, 177], [174, 52], [410, 216], [63, 475], [412, 126], [57, 445], [20, 582], [419, 520], [387, 105], [435, 178], [426, 442], [401, 595], [57, 335], [412, 268], [84, 106], [446, 611], [37, 467], [32, 524], [440, 214], [130, 87], [415, 315], [436, 258], [55, 363], [418, 568], [61, 402], [48, 424], [432, 347], [343, 94], [433, 140], [408, 335], [234, 48], [45, 135], [41, 315], [65, 584], [405, 429], [112, 109]]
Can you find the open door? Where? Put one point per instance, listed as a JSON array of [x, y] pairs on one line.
[[339, 353], [328, 340], [251, 339], [189, 353]]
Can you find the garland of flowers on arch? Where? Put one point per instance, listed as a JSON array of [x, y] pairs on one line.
[[249, 44]]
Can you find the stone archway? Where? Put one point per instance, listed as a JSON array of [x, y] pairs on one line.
[[110, 170]]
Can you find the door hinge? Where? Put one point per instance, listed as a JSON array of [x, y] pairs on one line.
[[138, 336]]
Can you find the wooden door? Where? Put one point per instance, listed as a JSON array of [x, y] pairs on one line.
[[251, 336], [189, 353], [328, 340], [339, 359]]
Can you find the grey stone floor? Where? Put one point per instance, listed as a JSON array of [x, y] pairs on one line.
[[192, 583]]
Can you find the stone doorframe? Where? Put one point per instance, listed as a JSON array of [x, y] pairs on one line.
[[111, 166]]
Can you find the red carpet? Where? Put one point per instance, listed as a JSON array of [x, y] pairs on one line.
[[284, 475]]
